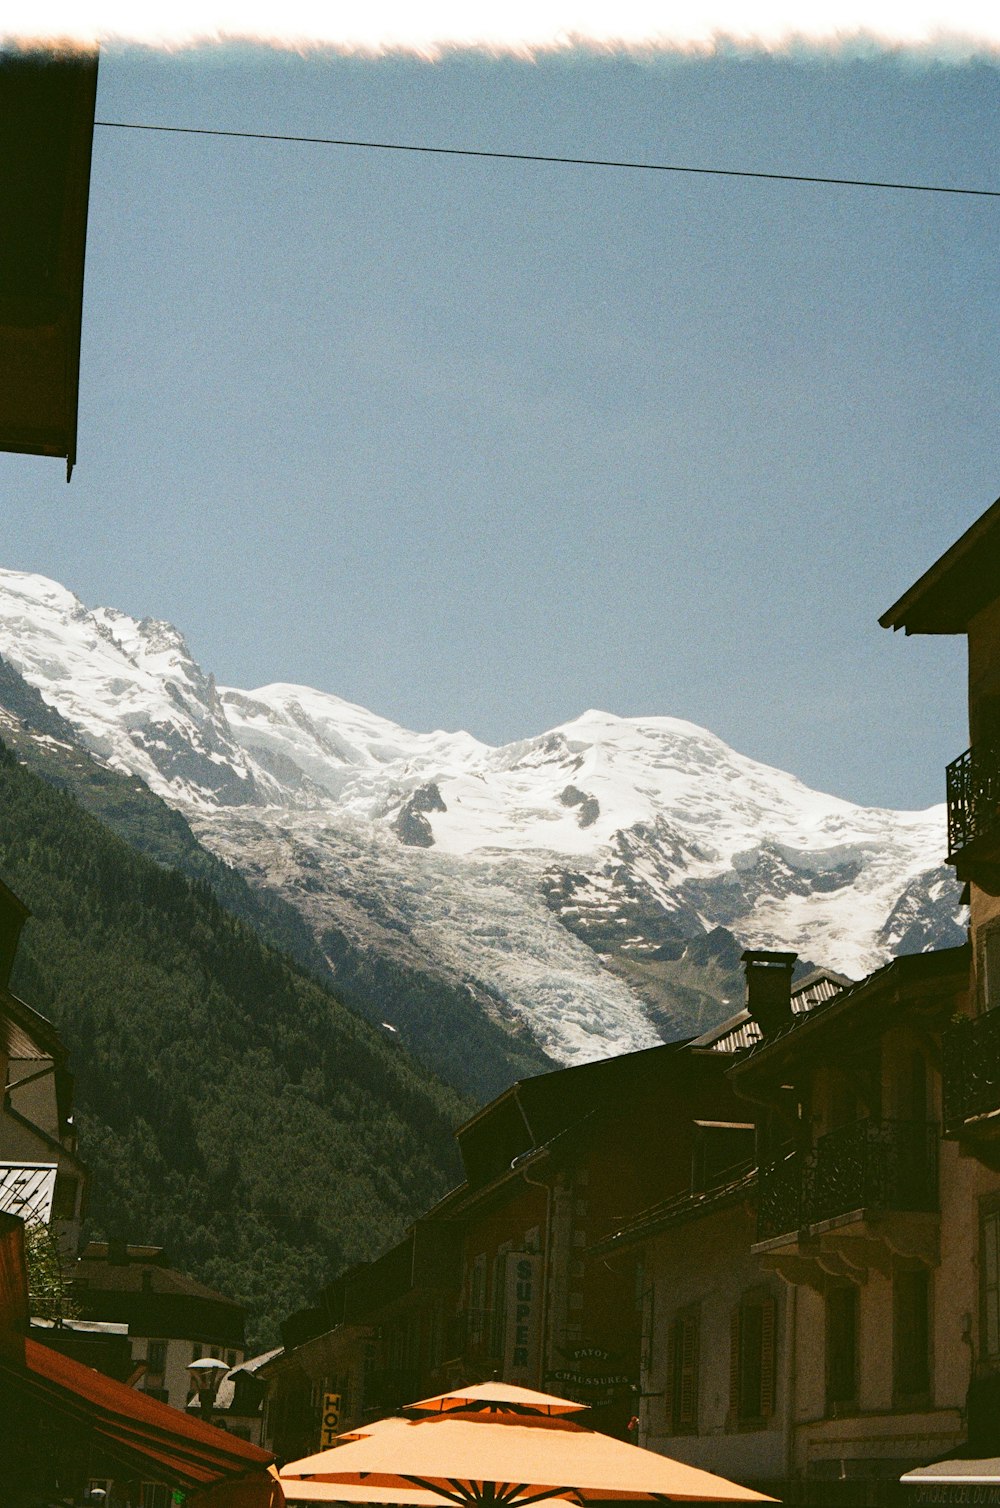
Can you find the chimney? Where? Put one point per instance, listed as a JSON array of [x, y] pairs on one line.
[[769, 988]]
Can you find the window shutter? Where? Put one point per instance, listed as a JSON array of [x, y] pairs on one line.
[[734, 1363], [668, 1390], [688, 1411], [767, 1358]]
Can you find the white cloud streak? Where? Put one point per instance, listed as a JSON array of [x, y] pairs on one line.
[[524, 28]]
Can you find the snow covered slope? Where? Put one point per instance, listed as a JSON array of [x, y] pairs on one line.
[[562, 874]]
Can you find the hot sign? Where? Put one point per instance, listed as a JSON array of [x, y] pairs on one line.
[[331, 1421]]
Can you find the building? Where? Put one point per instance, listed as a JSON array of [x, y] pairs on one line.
[[172, 1319], [238, 1405], [960, 594], [863, 1212], [495, 1280], [66, 1429], [714, 1389], [46, 132], [42, 1178]]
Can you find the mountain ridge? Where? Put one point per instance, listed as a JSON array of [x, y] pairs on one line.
[[558, 879]]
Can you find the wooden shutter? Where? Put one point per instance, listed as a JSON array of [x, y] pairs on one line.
[[668, 1389], [767, 1358], [687, 1412], [734, 1363]]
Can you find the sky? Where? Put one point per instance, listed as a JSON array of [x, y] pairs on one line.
[[483, 444]]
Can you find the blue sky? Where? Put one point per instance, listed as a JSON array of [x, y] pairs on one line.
[[484, 444]]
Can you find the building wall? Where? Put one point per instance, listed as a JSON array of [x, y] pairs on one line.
[[705, 1265], [296, 1381]]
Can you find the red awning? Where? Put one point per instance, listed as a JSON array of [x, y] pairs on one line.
[[165, 1444]]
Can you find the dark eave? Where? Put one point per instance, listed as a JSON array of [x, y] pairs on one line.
[[678, 1210], [957, 586]]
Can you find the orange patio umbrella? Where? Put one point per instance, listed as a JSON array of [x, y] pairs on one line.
[[509, 1448]]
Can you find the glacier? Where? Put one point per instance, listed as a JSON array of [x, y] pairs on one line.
[[562, 874]]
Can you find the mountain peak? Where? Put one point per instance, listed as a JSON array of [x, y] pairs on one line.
[[560, 876]]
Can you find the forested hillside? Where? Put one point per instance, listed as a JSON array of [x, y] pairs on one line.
[[230, 1107], [433, 1017]]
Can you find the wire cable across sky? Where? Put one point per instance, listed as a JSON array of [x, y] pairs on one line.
[[584, 162]]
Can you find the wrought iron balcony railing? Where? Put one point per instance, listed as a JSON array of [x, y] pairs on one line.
[[869, 1164], [973, 781], [970, 1069]]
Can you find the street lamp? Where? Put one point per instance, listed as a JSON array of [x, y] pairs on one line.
[[206, 1374]]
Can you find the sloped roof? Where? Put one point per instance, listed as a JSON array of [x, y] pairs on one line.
[[960, 583], [741, 1031]]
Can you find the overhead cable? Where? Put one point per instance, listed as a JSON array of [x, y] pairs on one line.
[[584, 162]]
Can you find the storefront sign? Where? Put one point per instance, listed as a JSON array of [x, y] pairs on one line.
[[330, 1423], [523, 1330], [955, 1494], [591, 1379]]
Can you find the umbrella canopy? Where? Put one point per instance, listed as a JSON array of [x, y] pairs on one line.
[[505, 1396], [391, 1497], [516, 1460]]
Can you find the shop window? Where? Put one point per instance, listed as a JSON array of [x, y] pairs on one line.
[[911, 1334], [682, 1373], [751, 1360], [155, 1495], [841, 1349]]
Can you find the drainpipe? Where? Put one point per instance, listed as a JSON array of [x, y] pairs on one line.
[[546, 1260]]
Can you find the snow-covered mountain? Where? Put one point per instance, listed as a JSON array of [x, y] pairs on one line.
[[561, 877]]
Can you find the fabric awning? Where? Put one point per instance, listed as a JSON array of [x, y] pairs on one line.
[[975, 1480], [45, 1390]]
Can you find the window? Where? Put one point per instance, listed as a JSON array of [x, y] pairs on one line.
[[989, 1283], [155, 1495], [911, 1334], [841, 1349], [751, 1360], [719, 1150], [682, 1374], [477, 1302], [990, 969], [64, 1198], [156, 1357], [196, 1352]]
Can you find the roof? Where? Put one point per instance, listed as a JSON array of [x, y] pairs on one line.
[[191, 1451], [911, 970], [27, 1033], [141, 1276], [741, 1031], [964, 580], [131, 1427], [46, 132], [226, 1391]]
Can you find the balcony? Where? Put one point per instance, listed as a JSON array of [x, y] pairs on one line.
[[868, 1166], [970, 1073], [973, 788]]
